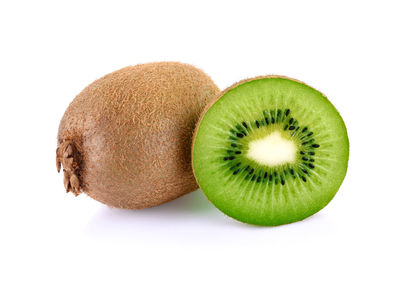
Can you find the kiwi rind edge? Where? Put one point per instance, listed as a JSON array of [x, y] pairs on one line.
[[214, 100]]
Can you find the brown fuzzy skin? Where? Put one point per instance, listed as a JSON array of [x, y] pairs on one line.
[[125, 139]]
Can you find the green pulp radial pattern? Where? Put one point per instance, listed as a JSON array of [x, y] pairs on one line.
[[270, 151]]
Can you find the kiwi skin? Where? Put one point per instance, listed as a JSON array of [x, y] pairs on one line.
[[214, 100], [125, 139]]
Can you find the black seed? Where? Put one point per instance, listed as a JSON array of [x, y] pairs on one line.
[[311, 166], [304, 179], [292, 128], [282, 182], [270, 177], [287, 112], [231, 157], [279, 112], [275, 174], [276, 181], [272, 120], [305, 158], [238, 164], [251, 171], [266, 121], [244, 124], [258, 179], [311, 153], [235, 172], [233, 145], [315, 145], [297, 128], [238, 152], [304, 171], [253, 177], [240, 135], [302, 152], [265, 174], [225, 158], [303, 143], [309, 134], [291, 171], [291, 121], [305, 129], [246, 168], [311, 160], [257, 124]]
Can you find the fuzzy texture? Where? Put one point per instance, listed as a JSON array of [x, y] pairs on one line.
[[125, 139]]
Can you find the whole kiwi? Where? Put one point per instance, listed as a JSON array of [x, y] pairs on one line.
[[125, 139]]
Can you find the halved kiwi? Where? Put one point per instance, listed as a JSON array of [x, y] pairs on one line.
[[270, 151]]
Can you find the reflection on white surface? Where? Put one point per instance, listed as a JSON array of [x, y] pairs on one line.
[[189, 219], [188, 216]]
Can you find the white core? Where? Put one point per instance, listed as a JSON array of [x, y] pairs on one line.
[[272, 150]]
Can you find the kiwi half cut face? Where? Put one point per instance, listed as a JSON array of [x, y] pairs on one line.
[[270, 151]]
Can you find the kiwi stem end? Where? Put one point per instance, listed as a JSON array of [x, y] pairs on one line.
[[69, 158]]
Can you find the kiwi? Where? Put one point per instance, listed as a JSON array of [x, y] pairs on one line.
[[270, 151], [125, 139]]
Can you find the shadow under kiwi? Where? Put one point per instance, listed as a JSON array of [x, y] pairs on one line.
[[190, 219], [191, 213]]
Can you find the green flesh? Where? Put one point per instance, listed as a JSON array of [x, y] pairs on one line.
[[262, 194]]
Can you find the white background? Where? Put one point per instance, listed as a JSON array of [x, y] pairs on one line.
[[49, 51]]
